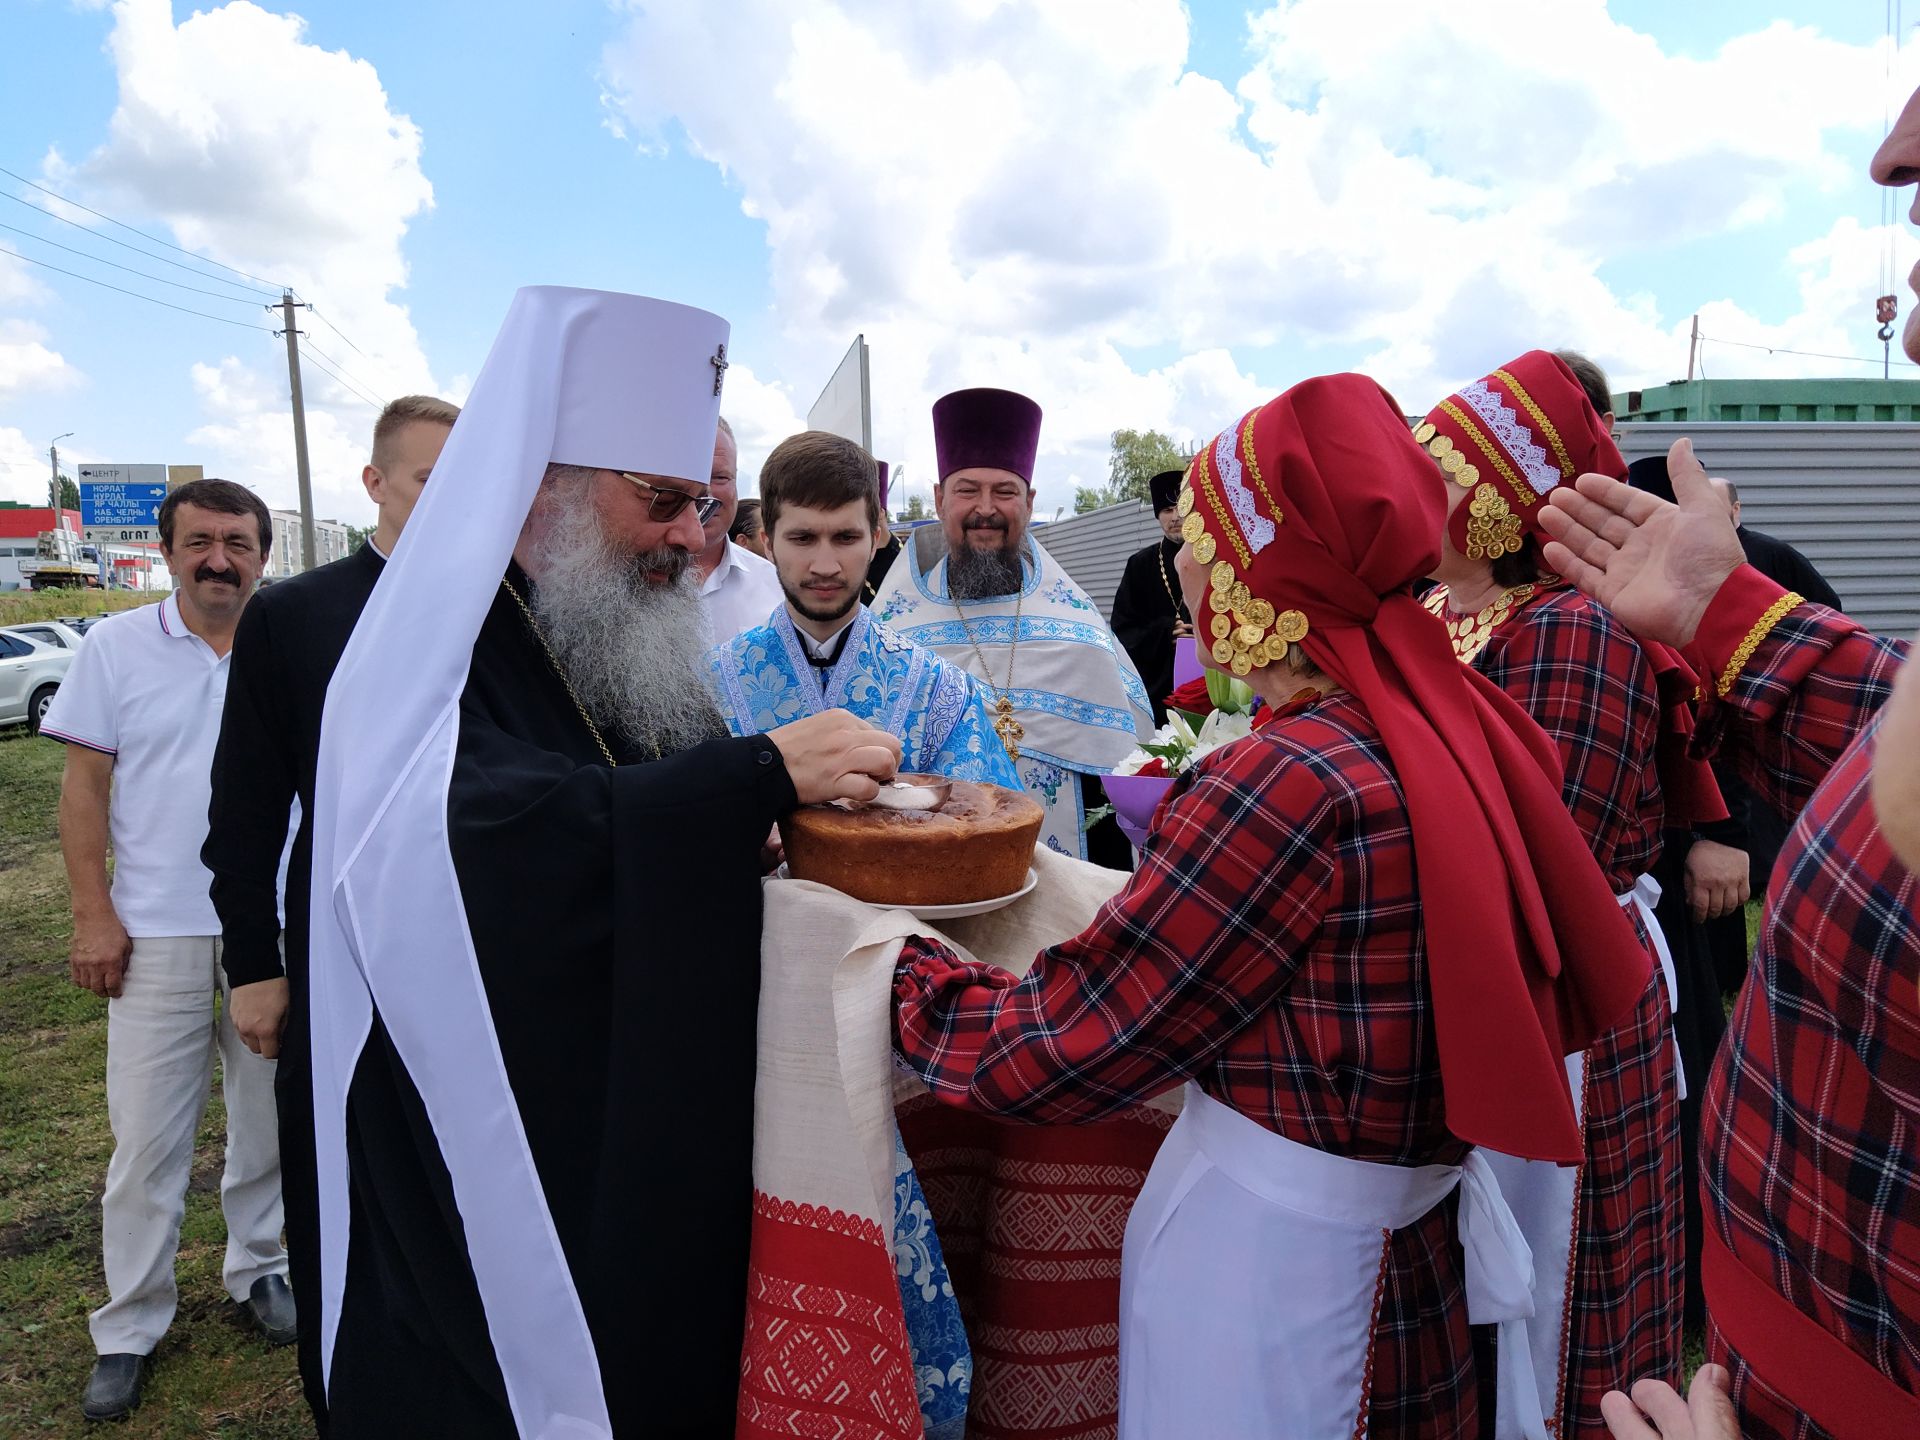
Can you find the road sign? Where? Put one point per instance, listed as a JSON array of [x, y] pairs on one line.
[[120, 504]]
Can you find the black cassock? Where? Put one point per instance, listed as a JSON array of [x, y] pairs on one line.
[[616, 915], [1144, 609], [284, 651], [877, 568]]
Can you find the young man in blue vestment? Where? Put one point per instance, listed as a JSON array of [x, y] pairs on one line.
[[823, 650]]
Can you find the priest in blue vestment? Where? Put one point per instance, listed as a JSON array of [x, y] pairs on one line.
[[823, 650], [979, 590]]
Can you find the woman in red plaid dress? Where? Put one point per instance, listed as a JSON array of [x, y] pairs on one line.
[[1339, 936], [1506, 442], [1810, 1134]]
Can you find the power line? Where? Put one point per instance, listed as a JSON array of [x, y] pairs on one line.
[[99, 260], [310, 351], [33, 260], [346, 385], [111, 240], [338, 367], [271, 285], [1810, 354], [338, 331]]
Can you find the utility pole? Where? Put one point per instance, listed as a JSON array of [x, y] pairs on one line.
[[53, 482], [286, 308], [1693, 346]]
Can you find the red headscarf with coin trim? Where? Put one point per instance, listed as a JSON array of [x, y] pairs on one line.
[[1513, 438], [1312, 528]]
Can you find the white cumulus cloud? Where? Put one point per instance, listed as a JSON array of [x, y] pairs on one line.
[[1038, 195], [288, 161]]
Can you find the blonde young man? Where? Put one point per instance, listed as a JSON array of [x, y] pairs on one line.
[[284, 654]]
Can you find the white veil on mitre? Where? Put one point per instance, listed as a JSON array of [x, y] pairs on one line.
[[575, 377]]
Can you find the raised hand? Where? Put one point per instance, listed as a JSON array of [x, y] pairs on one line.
[[836, 756], [1655, 566]]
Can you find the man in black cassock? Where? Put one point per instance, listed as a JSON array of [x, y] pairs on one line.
[[1148, 613], [548, 1183], [1765, 830], [1775, 558], [288, 641]]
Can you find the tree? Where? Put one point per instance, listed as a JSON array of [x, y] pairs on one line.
[[916, 509], [69, 493], [356, 537], [1135, 458]]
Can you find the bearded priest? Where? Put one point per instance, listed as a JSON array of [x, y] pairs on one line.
[[979, 590], [536, 919]]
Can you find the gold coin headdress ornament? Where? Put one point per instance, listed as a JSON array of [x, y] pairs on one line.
[[1511, 438], [1227, 517]]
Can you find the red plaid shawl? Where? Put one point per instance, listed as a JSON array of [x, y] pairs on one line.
[[1810, 1133], [1308, 1010]]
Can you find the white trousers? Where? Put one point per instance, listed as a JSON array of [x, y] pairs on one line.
[[161, 1037]]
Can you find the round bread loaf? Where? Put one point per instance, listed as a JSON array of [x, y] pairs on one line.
[[977, 846]]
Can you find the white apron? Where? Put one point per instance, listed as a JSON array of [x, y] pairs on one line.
[[1543, 1197], [1252, 1270]]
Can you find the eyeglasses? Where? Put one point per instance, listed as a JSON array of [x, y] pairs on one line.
[[664, 504]]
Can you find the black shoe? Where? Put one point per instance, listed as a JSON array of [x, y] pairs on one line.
[[270, 1302], [113, 1390]]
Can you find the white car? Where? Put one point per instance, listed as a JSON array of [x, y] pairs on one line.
[[30, 672], [60, 634]]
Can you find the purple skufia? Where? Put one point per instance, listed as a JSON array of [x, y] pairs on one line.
[[986, 429], [881, 483]]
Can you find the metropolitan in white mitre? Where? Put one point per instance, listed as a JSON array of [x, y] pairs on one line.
[[980, 591]]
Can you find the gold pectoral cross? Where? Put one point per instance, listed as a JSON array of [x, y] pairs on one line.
[[1010, 730]]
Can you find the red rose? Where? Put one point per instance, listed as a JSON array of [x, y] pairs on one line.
[[1155, 767], [1192, 697]]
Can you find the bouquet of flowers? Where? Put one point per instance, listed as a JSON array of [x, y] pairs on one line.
[[1203, 715]]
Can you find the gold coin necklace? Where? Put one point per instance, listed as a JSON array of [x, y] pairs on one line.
[[554, 660], [1010, 730], [1469, 634]]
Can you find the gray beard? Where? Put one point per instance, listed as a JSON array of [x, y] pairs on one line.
[[634, 652], [982, 574]]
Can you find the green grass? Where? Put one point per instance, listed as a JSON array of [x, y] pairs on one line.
[[212, 1375], [17, 607]]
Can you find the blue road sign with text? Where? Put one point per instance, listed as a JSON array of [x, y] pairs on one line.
[[121, 505]]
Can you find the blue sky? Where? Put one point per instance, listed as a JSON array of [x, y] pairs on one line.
[[1141, 214]]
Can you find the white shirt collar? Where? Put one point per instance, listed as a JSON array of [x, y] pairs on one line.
[[729, 561], [171, 621], [821, 649]]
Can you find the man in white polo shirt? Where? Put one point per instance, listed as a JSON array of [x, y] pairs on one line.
[[140, 714], [738, 589]]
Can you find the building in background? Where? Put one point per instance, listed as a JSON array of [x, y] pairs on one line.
[[1093, 548], [130, 566], [1830, 466], [331, 541]]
